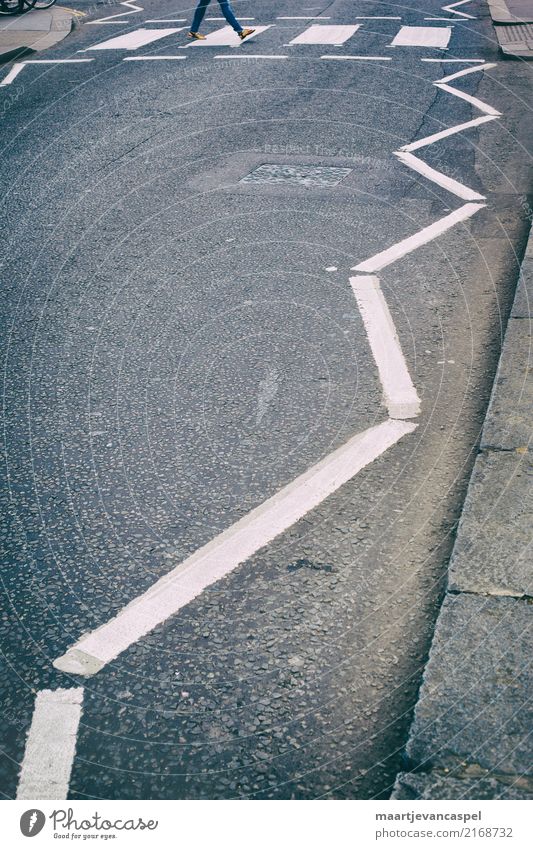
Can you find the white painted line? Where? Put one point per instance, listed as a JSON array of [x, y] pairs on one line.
[[452, 8], [134, 40], [132, 6], [377, 18], [427, 234], [422, 37], [437, 177], [399, 393], [14, 72], [18, 66], [223, 19], [166, 21], [149, 58], [368, 58], [231, 548], [304, 18], [484, 67], [317, 34], [451, 131], [226, 37], [456, 61], [51, 745], [479, 104], [250, 56]]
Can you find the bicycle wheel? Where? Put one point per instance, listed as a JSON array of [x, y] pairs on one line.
[[10, 7], [39, 4]]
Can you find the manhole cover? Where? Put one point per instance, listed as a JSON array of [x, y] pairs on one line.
[[298, 175]]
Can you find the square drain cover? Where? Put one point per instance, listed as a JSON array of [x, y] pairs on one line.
[[297, 175]]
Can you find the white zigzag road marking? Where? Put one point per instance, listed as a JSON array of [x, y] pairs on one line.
[[401, 398], [229, 549], [452, 9], [450, 131], [421, 237], [437, 177], [416, 164], [51, 744], [112, 18]]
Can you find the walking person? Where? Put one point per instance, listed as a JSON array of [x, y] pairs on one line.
[[227, 11]]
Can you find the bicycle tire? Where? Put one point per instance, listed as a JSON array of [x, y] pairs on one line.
[[39, 4], [10, 7]]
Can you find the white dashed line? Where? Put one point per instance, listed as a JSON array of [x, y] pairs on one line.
[[400, 395], [250, 56], [51, 745], [149, 58], [455, 61], [367, 58], [422, 237], [231, 548]]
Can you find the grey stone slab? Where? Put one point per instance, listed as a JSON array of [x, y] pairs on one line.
[[516, 39], [511, 11], [435, 785], [509, 422], [494, 548], [473, 703], [523, 302], [36, 21]]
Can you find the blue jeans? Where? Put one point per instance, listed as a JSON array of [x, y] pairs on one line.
[[227, 11]]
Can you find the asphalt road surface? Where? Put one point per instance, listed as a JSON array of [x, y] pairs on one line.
[[183, 341]]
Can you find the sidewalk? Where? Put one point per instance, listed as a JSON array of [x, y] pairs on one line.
[[21, 35], [469, 737]]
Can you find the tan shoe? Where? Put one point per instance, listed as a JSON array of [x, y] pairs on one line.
[[196, 35], [244, 33]]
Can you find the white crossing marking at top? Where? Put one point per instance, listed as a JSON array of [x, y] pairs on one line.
[[422, 37], [229, 549], [226, 37], [134, 40], [51, 745], [318, 34]]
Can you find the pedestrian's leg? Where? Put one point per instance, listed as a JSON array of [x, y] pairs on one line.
[[199, 15], [227, 11]]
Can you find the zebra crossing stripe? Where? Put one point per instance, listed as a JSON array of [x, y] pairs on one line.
[[325, 34], [422, 37], [226, 37], [134, 40]]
